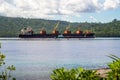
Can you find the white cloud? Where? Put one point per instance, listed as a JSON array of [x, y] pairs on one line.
[[93, 18], [50, 8], [111, 4], [78, 6]]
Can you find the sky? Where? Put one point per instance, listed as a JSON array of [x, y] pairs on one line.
[[67, 10]]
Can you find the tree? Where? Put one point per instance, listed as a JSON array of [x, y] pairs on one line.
[[5, 74]]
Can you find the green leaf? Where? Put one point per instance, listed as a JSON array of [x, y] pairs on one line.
[[12, 68]]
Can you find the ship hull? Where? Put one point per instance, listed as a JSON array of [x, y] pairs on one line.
[[38, 36], [92, 35]]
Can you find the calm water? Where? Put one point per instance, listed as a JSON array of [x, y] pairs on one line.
[[35, 59]]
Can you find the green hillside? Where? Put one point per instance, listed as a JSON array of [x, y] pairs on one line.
[[10, 27]]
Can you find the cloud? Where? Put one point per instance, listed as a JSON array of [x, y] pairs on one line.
[[82, 6], [51, 8], [111, 4], [93, 18]]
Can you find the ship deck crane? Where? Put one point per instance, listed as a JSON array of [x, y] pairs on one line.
[[55, 29]]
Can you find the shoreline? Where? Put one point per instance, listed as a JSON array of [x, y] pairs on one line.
[[102, 72]]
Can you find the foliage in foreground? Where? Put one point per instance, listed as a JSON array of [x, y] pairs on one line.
[[82, 74], [74, 74], [114, 74], [5, 74]]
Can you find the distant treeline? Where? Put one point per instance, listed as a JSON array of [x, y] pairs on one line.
[[11, 27]]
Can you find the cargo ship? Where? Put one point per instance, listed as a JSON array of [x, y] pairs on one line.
[[29, 33]]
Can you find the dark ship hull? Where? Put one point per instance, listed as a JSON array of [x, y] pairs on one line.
[[38, 36], [92, 35]]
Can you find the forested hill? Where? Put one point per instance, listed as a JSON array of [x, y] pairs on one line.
[[10, 27]]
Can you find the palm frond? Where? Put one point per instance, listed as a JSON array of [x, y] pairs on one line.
[[114, 57]]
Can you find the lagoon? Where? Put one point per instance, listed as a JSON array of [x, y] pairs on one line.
[[36, 58]]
